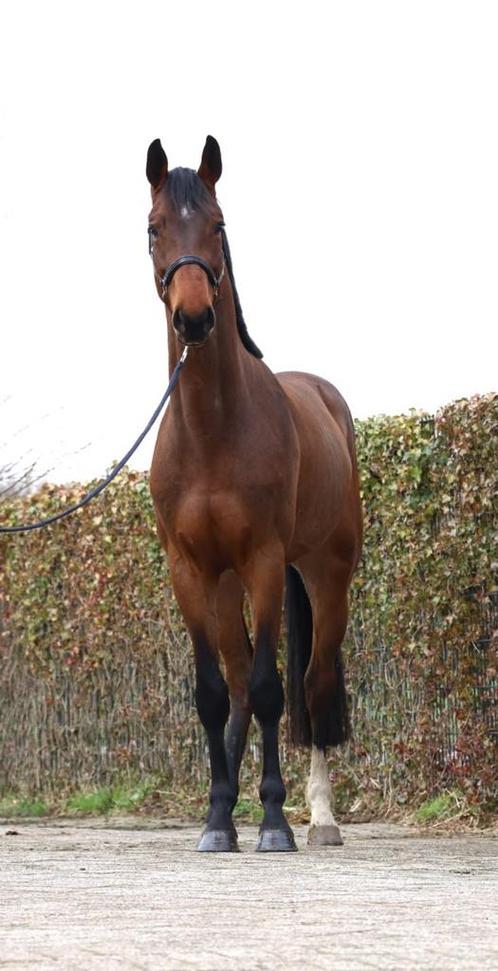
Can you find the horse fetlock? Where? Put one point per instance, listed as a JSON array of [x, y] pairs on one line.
[[222, 794], [272, 792], [219, 819]]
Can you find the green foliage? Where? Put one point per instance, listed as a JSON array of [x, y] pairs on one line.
[[118, 798], [421, 649], [99, 802], [129, 798], [96, 682], [445, 806], [15, 805]]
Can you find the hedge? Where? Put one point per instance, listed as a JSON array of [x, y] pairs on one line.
[[97, 677]]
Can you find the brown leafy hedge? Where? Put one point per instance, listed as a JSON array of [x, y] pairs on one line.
[[96, 677]]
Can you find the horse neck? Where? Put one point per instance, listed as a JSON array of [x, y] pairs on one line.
[[213, 387]]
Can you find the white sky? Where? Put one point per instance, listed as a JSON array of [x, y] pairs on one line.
[[360, 193]]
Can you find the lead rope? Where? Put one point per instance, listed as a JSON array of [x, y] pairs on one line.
[[117, 468]]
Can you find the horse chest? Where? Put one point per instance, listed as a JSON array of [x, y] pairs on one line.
[[223, 522]]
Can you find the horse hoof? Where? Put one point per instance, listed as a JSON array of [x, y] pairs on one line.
[[325, 836], [218, 841], [276, 841]]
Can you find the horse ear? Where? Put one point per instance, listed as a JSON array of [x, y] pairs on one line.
[[157, 164], [210, 167]]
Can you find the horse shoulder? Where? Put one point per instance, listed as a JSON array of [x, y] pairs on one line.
[[306, 392]]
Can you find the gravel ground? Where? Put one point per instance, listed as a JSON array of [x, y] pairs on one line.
[[132, 894]]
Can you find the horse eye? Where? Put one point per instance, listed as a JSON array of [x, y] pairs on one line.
[[153, 234], [219, 226]]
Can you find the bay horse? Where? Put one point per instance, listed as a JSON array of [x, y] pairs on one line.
[[255, 489]]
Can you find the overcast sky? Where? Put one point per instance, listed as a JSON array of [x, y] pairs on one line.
[[360, 194]]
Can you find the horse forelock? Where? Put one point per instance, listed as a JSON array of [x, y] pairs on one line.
[[186, 191]]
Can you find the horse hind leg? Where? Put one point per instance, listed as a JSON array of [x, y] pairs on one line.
[[327, 704], [325, 696]]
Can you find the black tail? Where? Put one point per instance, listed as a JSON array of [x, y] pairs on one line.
[[299, 636], [333, 725]]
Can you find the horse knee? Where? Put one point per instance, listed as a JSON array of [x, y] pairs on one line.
[[267, 698], [266, 693]]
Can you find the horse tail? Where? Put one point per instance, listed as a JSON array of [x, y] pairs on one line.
[[299, 637]]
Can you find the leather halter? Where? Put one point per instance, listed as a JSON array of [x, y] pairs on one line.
[[170, 271]]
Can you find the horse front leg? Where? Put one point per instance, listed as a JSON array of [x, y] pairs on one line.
[[236, 649], [265, 585], [197, 597], [213, 707]]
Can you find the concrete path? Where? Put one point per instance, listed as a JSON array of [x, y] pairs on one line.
[[132, 895]]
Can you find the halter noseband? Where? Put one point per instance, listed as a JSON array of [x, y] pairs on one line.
[[170, 271]]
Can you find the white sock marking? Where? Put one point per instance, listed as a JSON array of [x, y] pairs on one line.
[[318, 791]]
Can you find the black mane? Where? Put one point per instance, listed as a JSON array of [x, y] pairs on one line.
[[241, 324], [186, 190]]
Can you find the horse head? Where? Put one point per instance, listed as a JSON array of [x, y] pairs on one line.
[[185, 240]]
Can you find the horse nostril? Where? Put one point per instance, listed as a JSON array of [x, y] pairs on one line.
[[193, 329], [179, 320]]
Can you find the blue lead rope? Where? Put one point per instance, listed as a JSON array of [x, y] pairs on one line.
[[117, 468]]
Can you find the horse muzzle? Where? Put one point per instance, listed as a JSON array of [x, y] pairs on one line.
[[193, 330]]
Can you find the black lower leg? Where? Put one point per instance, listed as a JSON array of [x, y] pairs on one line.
[[238, 726], [267, 698], [213, 706]]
